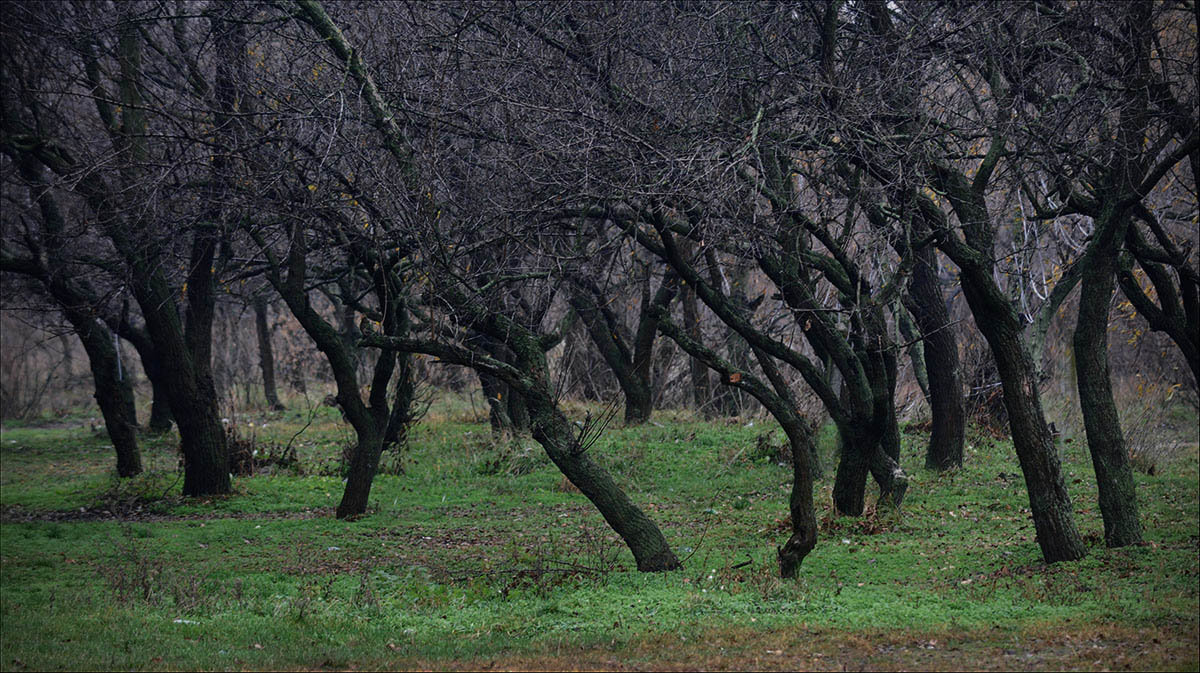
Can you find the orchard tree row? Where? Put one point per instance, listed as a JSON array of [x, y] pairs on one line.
[[475, 181]]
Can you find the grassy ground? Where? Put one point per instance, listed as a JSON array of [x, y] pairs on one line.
[[479, 555]]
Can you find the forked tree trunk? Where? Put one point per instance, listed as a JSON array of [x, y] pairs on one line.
[[631, 362]]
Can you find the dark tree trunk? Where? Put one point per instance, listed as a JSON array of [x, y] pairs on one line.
[[996, 318], [202, 441], [948, 414], [1053, 517], [401, 418], [114, 394], [529, 374], [858, 443], [629, 363], [160, 407], [369, 419], [866, 420], [800, 504], [364, 464], [558, 436], [1106, 441], [702, 395], [1177, 311], [266, 355], [879, 360], [779, 401]]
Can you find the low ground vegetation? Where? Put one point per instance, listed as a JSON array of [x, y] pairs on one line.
[[474, 553]]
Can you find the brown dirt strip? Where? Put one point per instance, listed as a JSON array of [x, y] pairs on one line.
[[1047, 648], [18, 514]]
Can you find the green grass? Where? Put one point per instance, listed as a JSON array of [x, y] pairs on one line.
[[477, 553]]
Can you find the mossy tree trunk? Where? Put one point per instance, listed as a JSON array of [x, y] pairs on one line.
[[997, 319], [529, 375], [1106, 441]]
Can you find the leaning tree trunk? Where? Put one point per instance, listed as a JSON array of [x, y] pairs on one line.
[[266, 355], [1106, 442], [114, 394], [1049, 502], [558, 436], [996, 318]]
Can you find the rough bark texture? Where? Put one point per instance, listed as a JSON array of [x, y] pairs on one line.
[[1049, 502], [800, 504], [996, 318], [948, 414], [557, 435], [113, 391], [857, 445], [560, 438], [1106, 442], [364, 463]]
